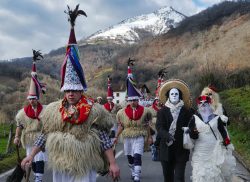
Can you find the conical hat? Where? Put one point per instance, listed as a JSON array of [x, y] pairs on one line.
[[132, 91], [72, 75], [179, 84], [36, 87]]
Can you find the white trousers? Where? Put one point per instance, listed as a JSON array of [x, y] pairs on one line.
[[65, 177], [134, 145]]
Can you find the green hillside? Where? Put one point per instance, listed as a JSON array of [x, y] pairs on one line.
[[237, 104]]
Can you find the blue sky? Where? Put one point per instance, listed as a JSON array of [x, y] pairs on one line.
[[41, 24]]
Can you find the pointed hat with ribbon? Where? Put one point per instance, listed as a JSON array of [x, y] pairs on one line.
[[132, 91], [72, 74], [35, 86]]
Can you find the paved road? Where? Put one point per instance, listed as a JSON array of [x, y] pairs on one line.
[[151, 171]]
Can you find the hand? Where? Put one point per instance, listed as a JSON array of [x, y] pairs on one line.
[[115, 141], [170, 138], [27, 162], [150, 140], [224, 118], [195, 131], [227, 141], [114, 171], [16, 141]]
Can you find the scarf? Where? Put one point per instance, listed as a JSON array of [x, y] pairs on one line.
[[76, 114], [30, 112], [109, 106], [134, 114], [175, 111]]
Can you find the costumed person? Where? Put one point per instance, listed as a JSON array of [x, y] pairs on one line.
[[133, 123], [145, 99], [174, 115], [157, 105], [29, 123], [75, 128], [99, 100], [219, 110], [211, 145], [112, 108]]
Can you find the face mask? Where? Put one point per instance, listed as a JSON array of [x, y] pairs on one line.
[[174, 96]]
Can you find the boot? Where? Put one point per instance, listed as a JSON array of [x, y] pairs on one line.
[[137, 170], [132, 169], [38, 177]]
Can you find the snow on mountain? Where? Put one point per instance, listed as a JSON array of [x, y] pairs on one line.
[[134, 29]]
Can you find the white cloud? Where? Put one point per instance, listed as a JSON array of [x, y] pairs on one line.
[[41, 24], [13, 18], [210, 2]]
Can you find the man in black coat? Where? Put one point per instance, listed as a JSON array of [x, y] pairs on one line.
[[175, 114]]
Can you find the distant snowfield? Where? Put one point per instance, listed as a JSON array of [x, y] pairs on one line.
[[126, 31]]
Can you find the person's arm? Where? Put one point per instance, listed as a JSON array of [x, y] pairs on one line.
[[193, 132], [38, 146], [161, 126], [119, 131], [106, 146], [150, 138], [28, 160], [120, 127], [224, 117], [223, 132], [149, 119], [18, 135], [114, 170]]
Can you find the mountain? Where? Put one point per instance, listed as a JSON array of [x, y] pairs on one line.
[[134, 29]]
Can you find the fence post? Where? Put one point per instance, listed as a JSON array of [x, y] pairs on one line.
[[10, 138]]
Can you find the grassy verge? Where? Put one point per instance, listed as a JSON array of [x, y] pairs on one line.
[[237, 104], [7, 161], [10, 161], [240, 139], [3, 144]]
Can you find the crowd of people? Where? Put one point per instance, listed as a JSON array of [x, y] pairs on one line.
[[77, 135]]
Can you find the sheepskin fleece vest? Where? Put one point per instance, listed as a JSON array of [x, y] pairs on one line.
[[134, 128], [115, 109], [154, 114], [31, 127], [72, 148]]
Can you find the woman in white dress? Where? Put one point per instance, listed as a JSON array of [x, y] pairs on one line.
[[212, 145]]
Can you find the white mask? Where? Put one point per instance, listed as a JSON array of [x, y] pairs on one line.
[[174, 96]]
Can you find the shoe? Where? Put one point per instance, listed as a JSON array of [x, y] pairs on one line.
[[136, 179], [132, 177]]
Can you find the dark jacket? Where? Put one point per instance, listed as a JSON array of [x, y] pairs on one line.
[[163, 122]]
